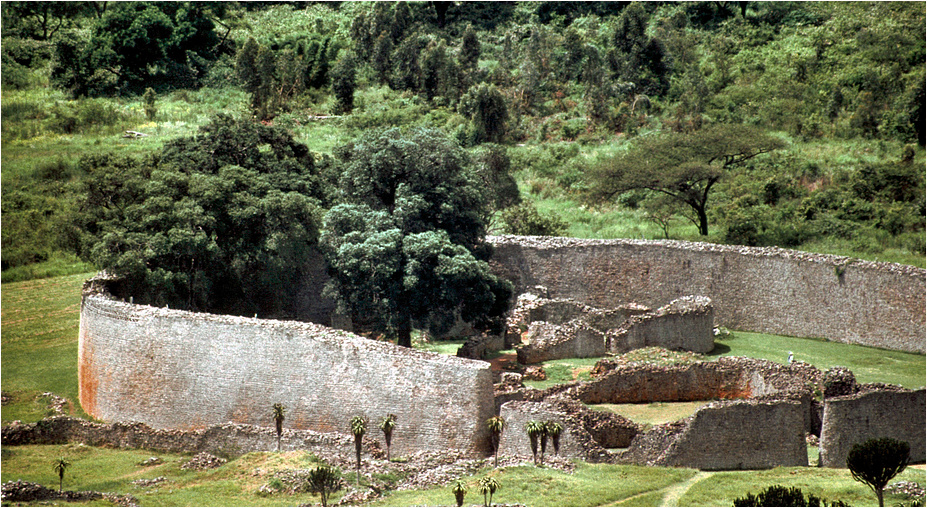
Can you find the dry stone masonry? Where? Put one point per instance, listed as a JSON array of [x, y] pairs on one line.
[[180, 370], [764, 289]]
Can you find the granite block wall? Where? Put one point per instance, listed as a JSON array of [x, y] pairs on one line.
[[760, 289], [851, 419], [172, 369]]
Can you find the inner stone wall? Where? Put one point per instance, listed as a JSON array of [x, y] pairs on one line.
[[173, 369], [768, 290]]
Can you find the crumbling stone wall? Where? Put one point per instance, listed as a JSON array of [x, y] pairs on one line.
[[586, 433], [726, 435], [227, 439], [852, 419], [179, 370], [685, 324], [765, 289], [568, 329]]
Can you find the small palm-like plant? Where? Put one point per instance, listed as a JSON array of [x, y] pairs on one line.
[[358, 428], [534, 429], [279, 415], [496, 425], [488, 486], [543, 438], [554, 429], [459, 490], [387, 424], [323, 480], [61, 465]]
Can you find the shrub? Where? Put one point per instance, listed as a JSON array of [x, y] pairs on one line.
[[524, 219], [777, 495], [876, 461]]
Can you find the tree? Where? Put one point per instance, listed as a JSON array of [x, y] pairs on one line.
[[496, 425], [61, 465], [323, 480], [344, 82], [488, 113], [876, 461], [534, 429], [494, 169], [469, 51], [407, 247], [459, 490], [226, 222], [636, 57], [684, 166], [488, 486], [387, 424], [149, 99], [358, 428], [279, 415]]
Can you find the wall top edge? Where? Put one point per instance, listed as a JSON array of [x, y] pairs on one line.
[[318, 332], [553, 243]]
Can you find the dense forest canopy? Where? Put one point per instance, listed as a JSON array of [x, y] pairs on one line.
[[576, 118]]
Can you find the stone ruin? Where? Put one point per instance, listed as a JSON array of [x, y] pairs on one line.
[[761, 415], [544, 329]]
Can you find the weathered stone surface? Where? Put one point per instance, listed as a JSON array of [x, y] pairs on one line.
[[765, 289], [576, 441], [727, 435], [839, 381], [548, 341], [183, 370], [685, 324], [851, 419]]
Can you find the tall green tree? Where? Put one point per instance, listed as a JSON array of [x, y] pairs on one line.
[[406, 247], [344, 81], [683, 166], [226, 221], [486, 107]]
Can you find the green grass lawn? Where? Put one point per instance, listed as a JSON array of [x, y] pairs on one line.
[[869, 364]]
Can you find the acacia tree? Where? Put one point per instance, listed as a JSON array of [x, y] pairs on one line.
[[683, 166], [407, 247], [876, 461]]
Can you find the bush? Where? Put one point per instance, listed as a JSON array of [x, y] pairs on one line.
[[524, 219], [777, 495]]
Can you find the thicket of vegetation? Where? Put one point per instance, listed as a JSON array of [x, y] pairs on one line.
[[552, 94]]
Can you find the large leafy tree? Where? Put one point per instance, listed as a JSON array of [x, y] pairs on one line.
[[683, 166], [225, 223], [406, 247]]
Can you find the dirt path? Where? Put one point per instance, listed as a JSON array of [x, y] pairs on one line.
[[677, 491]]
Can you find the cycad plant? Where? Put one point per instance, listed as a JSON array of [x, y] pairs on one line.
[[496, 425], [554, 429], [387, 424], [488, 486], [459, 490], [61, 465], [279, 415], [534, 429], [358, 428]]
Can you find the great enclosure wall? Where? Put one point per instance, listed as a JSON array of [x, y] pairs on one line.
[[175, 371]]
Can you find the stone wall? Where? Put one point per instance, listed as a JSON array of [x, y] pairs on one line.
[[726, 435], [768, 290], [685, 324], [225, 440], [852, 419], [179, 370]]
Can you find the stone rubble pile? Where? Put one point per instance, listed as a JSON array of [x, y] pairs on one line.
[[202, 461], [27, 492], [909, 489]]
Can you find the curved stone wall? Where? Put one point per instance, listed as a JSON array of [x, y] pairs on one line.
[[760, 289], [172, 369]]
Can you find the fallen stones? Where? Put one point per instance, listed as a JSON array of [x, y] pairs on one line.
[[202, 461]]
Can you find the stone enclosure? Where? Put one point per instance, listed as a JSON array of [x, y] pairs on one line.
[[171, 369]]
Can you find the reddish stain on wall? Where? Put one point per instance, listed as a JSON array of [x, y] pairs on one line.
[[87, 380]]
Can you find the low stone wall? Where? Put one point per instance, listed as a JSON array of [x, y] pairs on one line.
[[764, 289], [548, 341], [685, 324], [852, 419], [180, 370], [726, 435], [585, 432], [218, 440]]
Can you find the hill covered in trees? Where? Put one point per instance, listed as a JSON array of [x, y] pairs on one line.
[[808, 116]]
